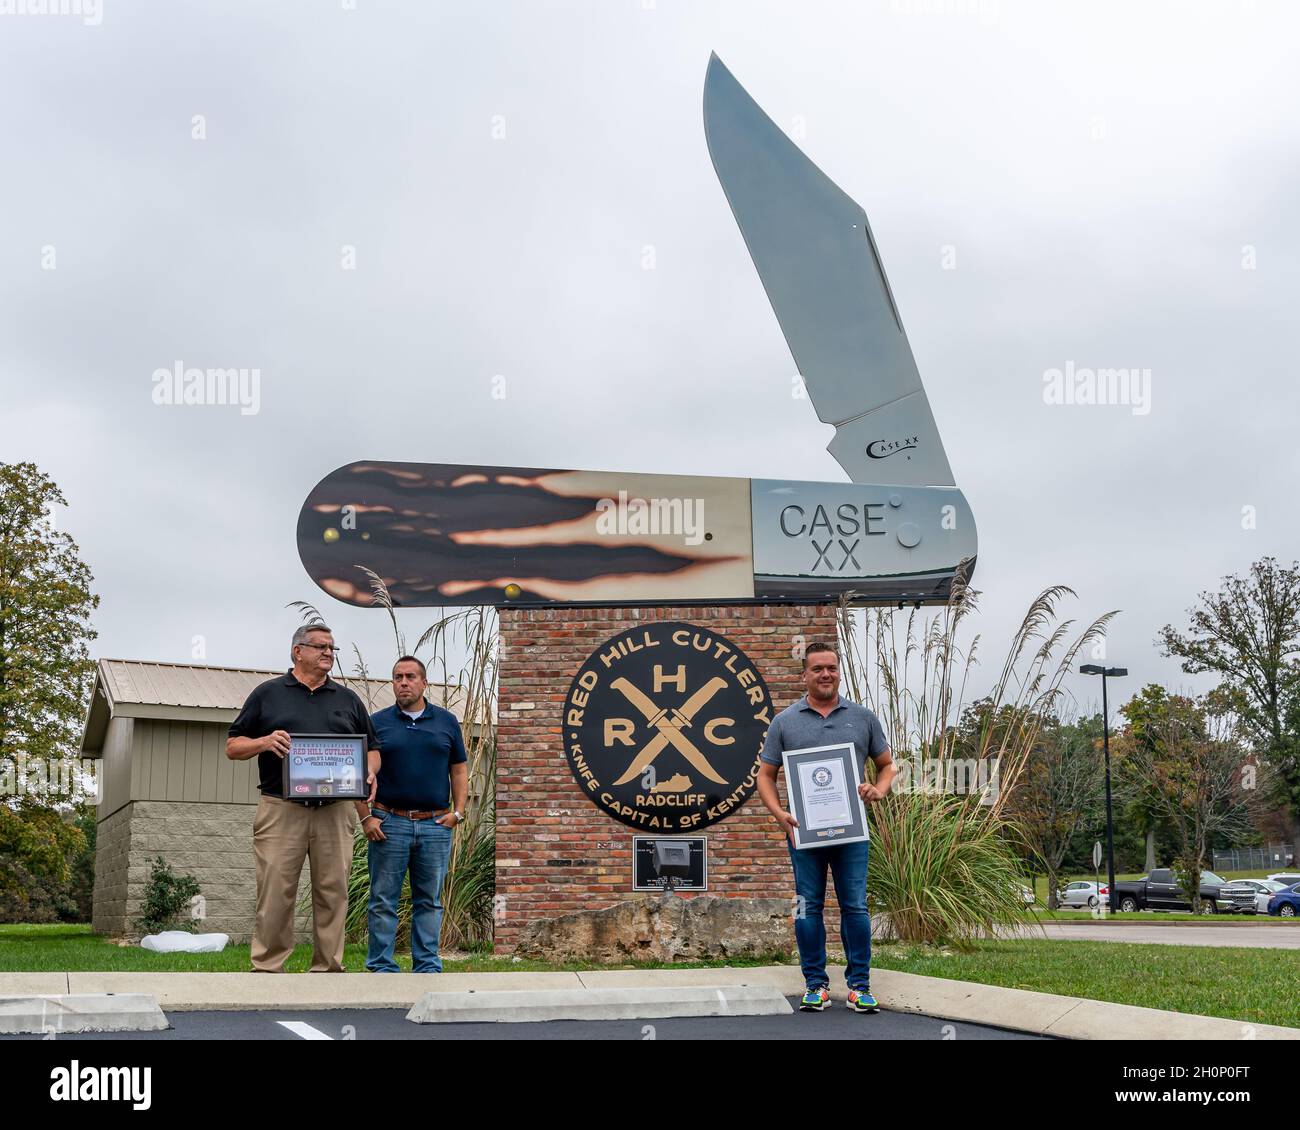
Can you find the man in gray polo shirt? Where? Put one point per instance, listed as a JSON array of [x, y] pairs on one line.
[[821, 718]]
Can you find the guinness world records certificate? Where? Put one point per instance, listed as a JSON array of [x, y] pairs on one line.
[[822, 785]]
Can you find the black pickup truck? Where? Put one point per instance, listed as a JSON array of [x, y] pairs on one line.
[[1160, 891]]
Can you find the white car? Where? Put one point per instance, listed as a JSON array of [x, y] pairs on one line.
[[1248, 896], [1272, 887], [1081, 895]]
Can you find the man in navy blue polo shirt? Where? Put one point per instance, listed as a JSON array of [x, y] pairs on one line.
[[823, 718], [421, 795]]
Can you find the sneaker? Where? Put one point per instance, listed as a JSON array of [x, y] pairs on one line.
[[814, 1000], [862, 1001]]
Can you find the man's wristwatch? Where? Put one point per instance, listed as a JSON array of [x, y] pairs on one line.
[[460, 816]]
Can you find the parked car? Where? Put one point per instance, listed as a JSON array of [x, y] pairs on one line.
[[1248, 896], [1160, 891], [1286, 878], [1285, 903], [1272, 887], [1079, 894]]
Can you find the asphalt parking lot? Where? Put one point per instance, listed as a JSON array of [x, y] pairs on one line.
[[836, 1023]]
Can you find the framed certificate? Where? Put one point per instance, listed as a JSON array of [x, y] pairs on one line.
[[822, 784], [326, 767]]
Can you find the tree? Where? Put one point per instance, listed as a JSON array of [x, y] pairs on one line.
[[45, 668], [41, 857], [1061, 790], [1191, 762], [45, 607], [1249, 633], [1146, 712]]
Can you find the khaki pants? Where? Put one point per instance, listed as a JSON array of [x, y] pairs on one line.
[[284, 834]]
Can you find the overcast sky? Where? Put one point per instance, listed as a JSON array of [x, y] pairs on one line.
[[1049, 184]]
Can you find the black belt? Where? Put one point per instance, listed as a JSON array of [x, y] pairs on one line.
[[413, 813]]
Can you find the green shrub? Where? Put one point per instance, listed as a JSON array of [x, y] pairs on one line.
[[167, 898]]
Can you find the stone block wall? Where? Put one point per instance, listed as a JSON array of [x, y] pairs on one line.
[[212, 842]]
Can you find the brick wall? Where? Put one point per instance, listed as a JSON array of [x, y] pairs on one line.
[[556, 851]]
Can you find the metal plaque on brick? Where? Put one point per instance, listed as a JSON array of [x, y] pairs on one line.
[[648, 872]]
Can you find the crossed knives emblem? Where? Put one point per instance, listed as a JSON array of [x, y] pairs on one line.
[[670, 724]]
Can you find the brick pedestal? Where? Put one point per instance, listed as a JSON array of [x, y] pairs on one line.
[[556, 851]]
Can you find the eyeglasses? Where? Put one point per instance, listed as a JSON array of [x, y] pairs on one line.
[[322, 646]]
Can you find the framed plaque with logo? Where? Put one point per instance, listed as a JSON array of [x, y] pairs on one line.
[[822, 785], [325, 767]]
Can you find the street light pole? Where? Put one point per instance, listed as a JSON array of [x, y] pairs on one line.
[[1110, 823], [1097, 669]]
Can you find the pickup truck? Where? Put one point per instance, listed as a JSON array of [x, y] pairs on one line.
[[1160, 891]]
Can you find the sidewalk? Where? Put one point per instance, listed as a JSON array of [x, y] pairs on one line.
[[1016, 1009], [1170, 934]]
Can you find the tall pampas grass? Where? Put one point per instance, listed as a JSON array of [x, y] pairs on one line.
[[468, 687], [945, 860]]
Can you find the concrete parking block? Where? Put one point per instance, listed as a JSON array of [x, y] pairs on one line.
[[494, 1006], [65, 1014]]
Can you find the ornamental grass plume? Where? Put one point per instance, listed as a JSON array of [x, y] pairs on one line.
[[945, 853]]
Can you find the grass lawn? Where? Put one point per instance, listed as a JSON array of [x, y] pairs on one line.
[[71, 949], [1252, 985]]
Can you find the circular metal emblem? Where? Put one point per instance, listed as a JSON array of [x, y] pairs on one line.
[[663, 726]]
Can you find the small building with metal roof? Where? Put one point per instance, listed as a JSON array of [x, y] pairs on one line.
[[166, 787]]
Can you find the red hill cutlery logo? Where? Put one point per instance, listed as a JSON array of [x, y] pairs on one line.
[[663, 725]]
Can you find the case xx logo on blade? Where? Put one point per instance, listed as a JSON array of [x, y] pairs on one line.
[[836, 545], [884, 448], [663, 726]]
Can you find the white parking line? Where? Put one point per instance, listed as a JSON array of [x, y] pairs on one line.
[[305, 1031]]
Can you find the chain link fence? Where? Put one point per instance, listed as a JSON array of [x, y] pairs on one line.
[[1272, 857]]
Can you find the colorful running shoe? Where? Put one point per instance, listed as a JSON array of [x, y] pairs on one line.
[[814, 1000], [862, 1001]]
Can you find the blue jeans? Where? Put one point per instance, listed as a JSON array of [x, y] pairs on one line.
[[848, 864], [425, 847]]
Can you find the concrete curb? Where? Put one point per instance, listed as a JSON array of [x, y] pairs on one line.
[[63, 1014], [1015, 1009], [1047, 1014], [639, 1003]]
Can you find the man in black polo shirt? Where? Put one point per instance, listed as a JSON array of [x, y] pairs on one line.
[[285, 832], [421, 798]]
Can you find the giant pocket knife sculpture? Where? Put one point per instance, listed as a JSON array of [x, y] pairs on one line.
[[441, 534]]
